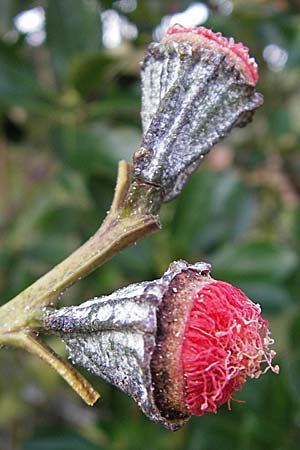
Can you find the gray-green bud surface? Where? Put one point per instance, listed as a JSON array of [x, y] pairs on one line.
[[115, 337], [192, 96]]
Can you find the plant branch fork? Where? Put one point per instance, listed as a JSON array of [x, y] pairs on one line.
[[133, 215]]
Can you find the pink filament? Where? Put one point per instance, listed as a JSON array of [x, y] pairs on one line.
[[225, 341], [238, 49]]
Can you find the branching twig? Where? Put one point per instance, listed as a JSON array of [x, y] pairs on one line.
[[133, 216]]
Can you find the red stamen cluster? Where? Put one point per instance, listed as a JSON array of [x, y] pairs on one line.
[[236, 51], [225, 341]]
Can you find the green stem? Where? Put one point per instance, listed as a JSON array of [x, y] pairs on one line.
[[131, 218], [26, 309], [133, 215]]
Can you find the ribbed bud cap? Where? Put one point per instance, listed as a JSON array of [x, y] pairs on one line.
[[196, 86], [179, 345]]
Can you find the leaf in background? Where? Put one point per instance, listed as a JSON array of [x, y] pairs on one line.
[[280, 122], [119, 106], [60, 441], [81, 149], [102, 69], [91, 71], [292, 372], [95, 149], [258, 268], [136, 262], [273, 297], [73, 28], [18, 83], [213, 208], [294, 332], [7, 8], [260, 261], [297, 229]]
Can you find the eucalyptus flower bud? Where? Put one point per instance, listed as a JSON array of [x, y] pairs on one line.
[[196, 86], [179, 345]]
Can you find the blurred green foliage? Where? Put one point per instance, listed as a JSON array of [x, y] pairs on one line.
[[69, 110]]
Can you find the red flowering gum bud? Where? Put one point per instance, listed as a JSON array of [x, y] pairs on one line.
[[178, 346], [196, 86]]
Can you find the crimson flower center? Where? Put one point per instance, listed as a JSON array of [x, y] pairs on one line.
[[225, 341]]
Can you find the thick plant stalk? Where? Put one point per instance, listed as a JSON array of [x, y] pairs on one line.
[[129, 219], [133, 216]]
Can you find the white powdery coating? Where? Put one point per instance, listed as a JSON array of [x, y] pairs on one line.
[[191, 99], [114, 336]]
